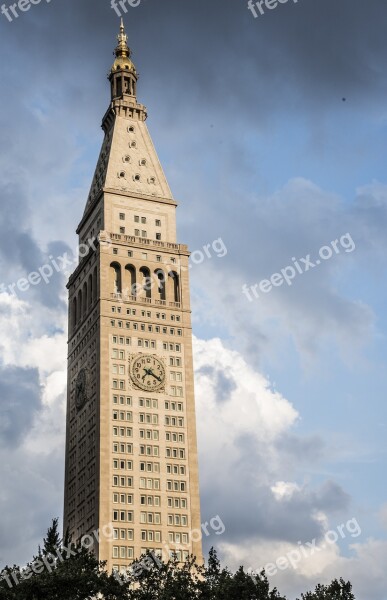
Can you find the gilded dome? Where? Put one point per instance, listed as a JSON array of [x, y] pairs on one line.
[[123, 53], [124, 62]]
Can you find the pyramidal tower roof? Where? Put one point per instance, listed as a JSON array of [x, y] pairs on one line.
[[128, 161]]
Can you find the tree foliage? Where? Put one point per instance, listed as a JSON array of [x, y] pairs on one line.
[[337, 590], [62, 570]]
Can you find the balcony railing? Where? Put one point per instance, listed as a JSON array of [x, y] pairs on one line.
[[131, 239], [128, 298]]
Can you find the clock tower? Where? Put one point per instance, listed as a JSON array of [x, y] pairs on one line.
[[131, 452]]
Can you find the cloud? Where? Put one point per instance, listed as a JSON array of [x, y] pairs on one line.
[[32, 422], [242, 459], [20, 403], [316, 309]]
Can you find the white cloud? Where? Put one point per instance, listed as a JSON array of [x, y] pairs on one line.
[[283, 490]]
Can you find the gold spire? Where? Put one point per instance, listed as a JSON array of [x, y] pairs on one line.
[[123, 52]]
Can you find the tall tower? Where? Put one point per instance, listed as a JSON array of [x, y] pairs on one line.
[[131, 452]]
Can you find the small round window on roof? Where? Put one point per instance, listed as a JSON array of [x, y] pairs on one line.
[[152, 180], [131, 129], [133, 144], [121, 175], [126, 158], [137, 177], [143, 162]]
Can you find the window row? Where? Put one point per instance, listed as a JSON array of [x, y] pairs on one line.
[[122, 481], [178, 538], [123, 448], [123, 431], [150, 500], [143, 283], [123, 498], [150, 518], [176, 469], [149, 434], [123, 464], [125, 516], [175, 453], [174, 421], [174, 485], [151, 536], [150, 467], [147, 483], [178, 520], [121, 340], [122, 416], [174, 437], [123, 552], [150, 418], [177, 503], [178, 406], [150, 450], [122, 400], [143, 327], [123, 534], [148, 402], [180, 555]]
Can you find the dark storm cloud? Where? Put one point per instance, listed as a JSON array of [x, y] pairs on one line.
[[203, 52], [21, 254], [250, 511], [31, 496], [20, 402]]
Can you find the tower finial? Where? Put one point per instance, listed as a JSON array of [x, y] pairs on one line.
[[123, 74], [122, 48]]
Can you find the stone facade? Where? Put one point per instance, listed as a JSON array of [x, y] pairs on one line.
[[131, 452]]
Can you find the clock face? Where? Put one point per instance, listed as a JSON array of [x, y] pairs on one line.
[[81, 389], [147, 372]]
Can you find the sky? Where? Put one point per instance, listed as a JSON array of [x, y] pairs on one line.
[[272, 131]]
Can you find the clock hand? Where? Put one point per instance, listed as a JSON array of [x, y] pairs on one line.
[[150, 372]]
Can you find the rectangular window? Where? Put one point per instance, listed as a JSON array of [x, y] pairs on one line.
[[122, 216]]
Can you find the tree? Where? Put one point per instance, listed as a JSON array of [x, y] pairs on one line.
[[60, 572], [66, 571], [337, 590]]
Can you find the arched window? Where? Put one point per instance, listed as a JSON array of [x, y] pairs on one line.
[[85, 306], [161, 281], [146, 282], [90, 290], [74, 313], [130, 278], [95, 285], [174, 279], [79, 306], [115, 278]]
